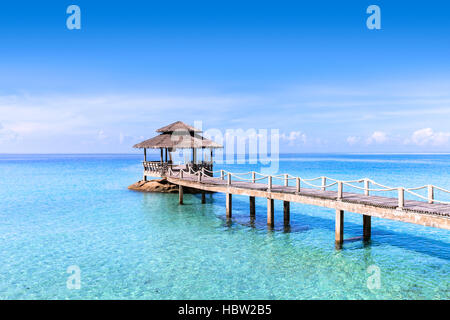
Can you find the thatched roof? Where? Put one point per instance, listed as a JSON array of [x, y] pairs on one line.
[[178, 126], [180, 139]]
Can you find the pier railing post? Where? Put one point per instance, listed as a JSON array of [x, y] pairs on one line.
[[366, 187], [253, 177], [340, 190], [222, 176], [181, 174], [199, 176], [324, 183], [430, 194], [286, 180], [229, 179], [401, 197], [269, 183], [298, 184]]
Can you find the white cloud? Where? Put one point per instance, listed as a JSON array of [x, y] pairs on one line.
[[378, 137], [7, 135], [353, 140], [294, 137], [101, 135], [427, 136]]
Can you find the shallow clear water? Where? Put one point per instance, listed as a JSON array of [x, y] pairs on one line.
[[57, 211]]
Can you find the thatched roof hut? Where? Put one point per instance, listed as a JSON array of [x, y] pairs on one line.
[[178, 135]]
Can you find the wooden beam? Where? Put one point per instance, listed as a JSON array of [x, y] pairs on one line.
[[252, 206], [339, 234], [270, 215], [307, 197], [229, 202], [287, 212], [367, 226], [180, 194]]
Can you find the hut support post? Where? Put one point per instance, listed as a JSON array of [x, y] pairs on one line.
[[339, 233], [287, 212], [252, 207], [180, 194], [161, 155], [144, 177], [211, 159], [270, 210], [367, 227], [229, 205]]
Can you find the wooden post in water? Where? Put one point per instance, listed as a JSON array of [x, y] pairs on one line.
[[287, 212], [367, 226], [180, 194], [229, 205], [430, 194], [270, 210], [203, 197], [252, 207], [339, 233]]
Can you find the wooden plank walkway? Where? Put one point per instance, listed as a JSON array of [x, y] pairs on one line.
[[418, 212], [356, 198]]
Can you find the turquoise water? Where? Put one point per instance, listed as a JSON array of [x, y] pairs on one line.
[[63, 210]]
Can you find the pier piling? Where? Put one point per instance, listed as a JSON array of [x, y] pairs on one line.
[[203, 197], [252, 206], [367, 222], [287, 212], [339, 234], [270, 210], [228, 205], [180, 194]]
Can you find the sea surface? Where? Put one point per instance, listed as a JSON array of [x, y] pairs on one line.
[[61, 211]]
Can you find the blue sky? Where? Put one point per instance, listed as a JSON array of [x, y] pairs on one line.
[[311, 69]]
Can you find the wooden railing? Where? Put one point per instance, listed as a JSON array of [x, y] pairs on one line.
[[325, 183], [162, 168], [155, 166]]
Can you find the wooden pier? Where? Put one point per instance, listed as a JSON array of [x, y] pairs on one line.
[[424, 210], [432, 213]]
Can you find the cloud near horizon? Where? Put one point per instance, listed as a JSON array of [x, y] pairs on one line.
[[306, 122]]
